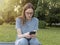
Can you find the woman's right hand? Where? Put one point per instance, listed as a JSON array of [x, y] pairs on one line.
[[27, 35]]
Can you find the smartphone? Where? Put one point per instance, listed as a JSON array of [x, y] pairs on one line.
[[32, 32]]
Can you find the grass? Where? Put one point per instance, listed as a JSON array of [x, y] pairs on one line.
[[48, 36], [7, 33]]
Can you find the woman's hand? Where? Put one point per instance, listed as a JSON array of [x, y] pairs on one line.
[[27, 35], [33, 35]]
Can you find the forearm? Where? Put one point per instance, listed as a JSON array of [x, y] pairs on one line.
[[21, 36], [19, 33], [24, 35]]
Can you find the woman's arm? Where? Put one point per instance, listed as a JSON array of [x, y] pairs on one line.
[[18, 27], [19, 32], [20, 35]]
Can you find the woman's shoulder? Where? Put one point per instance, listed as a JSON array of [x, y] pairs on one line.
[[35, 19], [18, 18]]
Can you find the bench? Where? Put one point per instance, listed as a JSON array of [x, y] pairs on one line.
[[7, 43]]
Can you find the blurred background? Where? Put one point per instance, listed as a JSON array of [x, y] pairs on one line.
[[47, 11]]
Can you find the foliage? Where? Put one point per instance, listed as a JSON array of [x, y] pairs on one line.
[[9, 16], [48, 11], [1, 21], [42, 24]]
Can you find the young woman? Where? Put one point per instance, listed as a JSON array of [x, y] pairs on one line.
[[24, 25]]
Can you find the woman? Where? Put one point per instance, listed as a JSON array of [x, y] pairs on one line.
[[24, 25]]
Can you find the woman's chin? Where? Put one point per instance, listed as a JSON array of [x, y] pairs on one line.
[[29, 19]]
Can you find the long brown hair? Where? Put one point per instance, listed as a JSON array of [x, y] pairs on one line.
[[23, 17]]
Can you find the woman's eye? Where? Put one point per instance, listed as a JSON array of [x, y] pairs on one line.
[[29, 12]]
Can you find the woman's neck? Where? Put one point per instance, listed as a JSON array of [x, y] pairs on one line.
[[29, 19]]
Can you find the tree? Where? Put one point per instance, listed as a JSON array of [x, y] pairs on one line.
[[48, 11], [40, 11]]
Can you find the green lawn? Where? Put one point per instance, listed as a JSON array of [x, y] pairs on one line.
[[49, 36], [7, 33]]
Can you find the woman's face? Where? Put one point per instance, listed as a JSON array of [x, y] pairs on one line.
[[29, 13]]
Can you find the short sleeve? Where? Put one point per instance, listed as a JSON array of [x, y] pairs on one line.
[[36, 24], [18, 23]]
